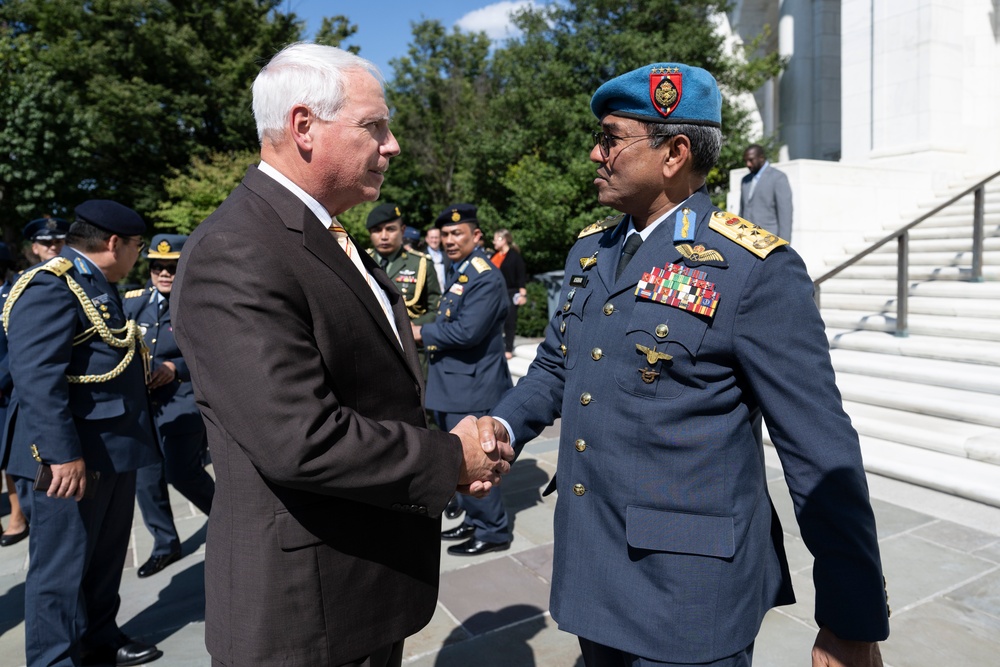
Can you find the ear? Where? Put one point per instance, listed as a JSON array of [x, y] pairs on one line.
[[677, 155], [301, 120]]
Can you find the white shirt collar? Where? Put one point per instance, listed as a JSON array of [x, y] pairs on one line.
[[318, 209], [651, 226]]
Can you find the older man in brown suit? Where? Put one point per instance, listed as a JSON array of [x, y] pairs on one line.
[[323, 543]]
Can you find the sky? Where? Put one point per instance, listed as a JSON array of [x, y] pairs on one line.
[[384, 25]]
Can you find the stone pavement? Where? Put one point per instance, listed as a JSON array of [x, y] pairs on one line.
[[941, 556]]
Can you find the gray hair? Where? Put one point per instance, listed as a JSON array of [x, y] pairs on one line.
[[706, 142], [303, 73]]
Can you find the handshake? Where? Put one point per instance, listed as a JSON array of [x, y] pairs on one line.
[[487, 454]]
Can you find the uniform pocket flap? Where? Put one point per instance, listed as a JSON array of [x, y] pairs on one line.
[[292, 535], [88, 407], [698, 534]]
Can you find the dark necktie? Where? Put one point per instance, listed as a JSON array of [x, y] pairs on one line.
[[632, 244], [384, 263]]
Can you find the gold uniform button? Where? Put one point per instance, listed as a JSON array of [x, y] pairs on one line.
[[566, 307], [562, 327], [562, 348], [597, 353], [585, 398], [609, 308], [581, 445], [106, 316], [579, 489], [152, 342], [662, 330]]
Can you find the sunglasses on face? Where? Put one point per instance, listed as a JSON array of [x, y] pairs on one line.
[[157, 267]]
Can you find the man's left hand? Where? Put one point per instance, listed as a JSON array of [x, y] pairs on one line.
[[164, 374], [832, 651], [416, 333]]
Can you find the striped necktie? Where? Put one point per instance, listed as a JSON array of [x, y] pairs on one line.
[[347, 245]]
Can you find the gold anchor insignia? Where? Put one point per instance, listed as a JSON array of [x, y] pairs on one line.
[[652, 356]]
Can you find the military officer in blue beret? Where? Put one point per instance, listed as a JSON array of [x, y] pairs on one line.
[[468, 371], [78, 427], [681, 327], [47, 236], [179, 429]]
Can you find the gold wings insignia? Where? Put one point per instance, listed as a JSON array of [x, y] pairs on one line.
[[652, 356], [700, 253]]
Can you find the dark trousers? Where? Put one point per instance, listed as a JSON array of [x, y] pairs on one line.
[[599, 655], [182, 466], [387, 656], [76, 555], [487, 515], [510, 324]]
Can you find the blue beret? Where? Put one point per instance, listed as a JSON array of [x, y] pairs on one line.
[[166, 246], [455, 214], [662, 93], [46, 229], [383, 213], [111, 216]]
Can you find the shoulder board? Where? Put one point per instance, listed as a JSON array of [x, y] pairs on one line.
[[481, 265], [601, 225], [417, 253], [756, 239], [57, 265], [133, 293]]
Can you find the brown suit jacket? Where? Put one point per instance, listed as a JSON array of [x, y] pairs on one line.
[[323, 542]]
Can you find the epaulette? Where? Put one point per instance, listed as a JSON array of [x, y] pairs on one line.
[[601, 225], [756, 239], [57, 266], [133, 293], [481, 265], [417, 253]]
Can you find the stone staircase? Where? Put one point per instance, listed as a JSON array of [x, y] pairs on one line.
[[927, 406]]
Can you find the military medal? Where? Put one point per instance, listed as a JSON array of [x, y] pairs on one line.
[[680, 287], [463, 278]]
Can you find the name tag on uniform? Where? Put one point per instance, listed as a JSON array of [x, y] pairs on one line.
[[456, 289], [578, 281]]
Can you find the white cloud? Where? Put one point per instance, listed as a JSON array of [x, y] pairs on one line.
[[494, 19]]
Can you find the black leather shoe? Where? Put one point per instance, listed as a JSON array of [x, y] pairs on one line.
[[11, 539], [155, 564], [453, 510], [130, 653], [475, 547], [459, 532]]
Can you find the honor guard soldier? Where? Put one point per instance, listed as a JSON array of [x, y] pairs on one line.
[[47, 236], [77, 430], [179, 429], [17, 526], [468, 370], [681, 327]]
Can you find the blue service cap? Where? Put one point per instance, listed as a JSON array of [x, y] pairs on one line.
[[455, 214], [166, 246], [411, 234], [5, 255], [111, 216], [46, 229], [662, 93]]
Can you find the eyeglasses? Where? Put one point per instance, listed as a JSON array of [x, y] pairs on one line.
[[140, 242], [156, 267], [608, 141]]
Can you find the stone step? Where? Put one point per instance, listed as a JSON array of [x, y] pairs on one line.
[[957, 404], [921, 258], [967, 441], [881, 303], [917, 273], [921, 232], [918, 324], [919, 246], [948, 218], [944, 289], [923, 347], [932, 372]]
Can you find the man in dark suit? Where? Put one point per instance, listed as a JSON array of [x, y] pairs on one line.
[[765, 196], [79, 410], [179, 429], [682, 326], [323, 542], [468, 371]]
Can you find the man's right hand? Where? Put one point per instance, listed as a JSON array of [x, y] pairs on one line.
[[69, 480], [482, 465]]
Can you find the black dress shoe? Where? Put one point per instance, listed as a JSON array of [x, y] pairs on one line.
[[130, 653], [459, 532], [475, 547], [453, 509], [155, 564], [10, 539]]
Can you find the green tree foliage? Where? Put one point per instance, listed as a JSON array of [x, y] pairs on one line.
[[334, 30], [520, 148], [194, 193], [104, 98]]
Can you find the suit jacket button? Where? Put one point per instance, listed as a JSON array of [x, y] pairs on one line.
[[609, 308], [581, 445], [585, 398], [579, 489]]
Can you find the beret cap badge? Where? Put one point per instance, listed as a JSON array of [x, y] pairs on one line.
[[665, 89], [164, 246], [455, 216]]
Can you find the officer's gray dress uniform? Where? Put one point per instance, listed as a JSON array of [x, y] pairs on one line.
[[179, 428], [79, 392], [667, 545]]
